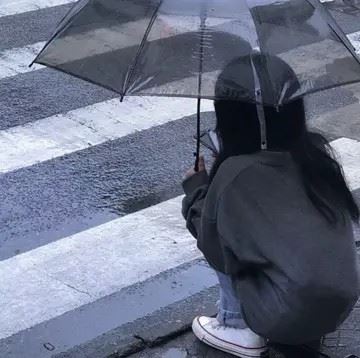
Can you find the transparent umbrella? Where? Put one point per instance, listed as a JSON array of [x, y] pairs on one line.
[[178, 48]]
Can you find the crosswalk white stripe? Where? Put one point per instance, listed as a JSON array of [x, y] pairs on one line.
[[317, 64], [348, 154], [16, 61], [14, 7], [355, 40], [82, 268], [79, 269], [61, 134], [78, 129]]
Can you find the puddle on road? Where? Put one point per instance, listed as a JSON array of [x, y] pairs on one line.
[[139, 203]]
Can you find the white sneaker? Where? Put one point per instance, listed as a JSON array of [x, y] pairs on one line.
[[239, 342]]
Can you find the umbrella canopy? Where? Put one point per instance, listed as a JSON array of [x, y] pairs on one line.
[[179, 48]]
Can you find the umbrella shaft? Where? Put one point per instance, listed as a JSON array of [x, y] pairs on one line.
[[201, 58], [198, 130], [259, 107]]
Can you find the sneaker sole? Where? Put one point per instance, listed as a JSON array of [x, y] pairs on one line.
[[203, 335]]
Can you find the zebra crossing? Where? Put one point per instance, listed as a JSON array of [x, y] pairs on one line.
[[13, 7], [60, 134], [51, 267]]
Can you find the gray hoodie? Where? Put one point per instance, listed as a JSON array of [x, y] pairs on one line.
[[296, 276]]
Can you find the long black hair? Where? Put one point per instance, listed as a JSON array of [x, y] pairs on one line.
[[238, 129]]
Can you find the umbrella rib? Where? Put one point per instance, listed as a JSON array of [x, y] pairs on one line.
[[351, 50], [131, 69], [336, 30], [79, 5], [257, 86]]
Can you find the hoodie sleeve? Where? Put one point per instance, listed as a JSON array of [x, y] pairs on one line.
[[195, 188], [219, 222], [239, 248], [224, 239]]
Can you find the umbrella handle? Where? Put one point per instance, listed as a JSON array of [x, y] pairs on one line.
[[196, 165], [198, 130]]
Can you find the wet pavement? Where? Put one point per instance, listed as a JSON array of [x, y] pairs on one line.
[[345, 341], [85, 189], [93, 186], [54, 199]]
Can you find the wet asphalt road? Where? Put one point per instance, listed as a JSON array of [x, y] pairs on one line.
[[60, 197]]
